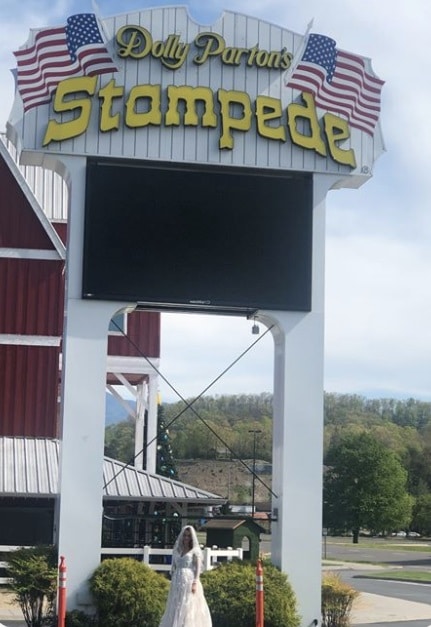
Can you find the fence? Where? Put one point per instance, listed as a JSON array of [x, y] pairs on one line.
[[157, 559], [160, 559]]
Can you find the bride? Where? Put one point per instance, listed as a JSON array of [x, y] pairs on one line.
[[186, 605]]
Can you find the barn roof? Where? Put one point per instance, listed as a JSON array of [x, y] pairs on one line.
[[29, 468]]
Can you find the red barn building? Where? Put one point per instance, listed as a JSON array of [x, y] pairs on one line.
[[32, 258]]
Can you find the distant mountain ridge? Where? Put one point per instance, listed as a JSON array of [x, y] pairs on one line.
[[115, 412]]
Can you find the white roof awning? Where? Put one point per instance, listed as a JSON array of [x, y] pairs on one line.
[[29, 468]]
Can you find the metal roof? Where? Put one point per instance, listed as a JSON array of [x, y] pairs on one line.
[[231, 524], [29, 468]]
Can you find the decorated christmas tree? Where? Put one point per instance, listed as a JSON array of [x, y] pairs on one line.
[[165, 464]]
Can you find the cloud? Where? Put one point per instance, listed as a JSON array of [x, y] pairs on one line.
[[196, 350]]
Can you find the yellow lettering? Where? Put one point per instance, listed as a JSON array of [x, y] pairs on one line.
[[239, 54], [108, 121], [60, 131], [212, 44], [181, 53], [253, 52], [286, 59], [227, 99], [269, 109], [190, 95], [337, 130], [313, 140], [195, 106], [153, 115], [134, 41], [274, 59], [262, 58], [230, 56]]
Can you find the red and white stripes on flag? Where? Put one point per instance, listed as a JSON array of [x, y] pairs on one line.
[[339, 82], [55, 54]]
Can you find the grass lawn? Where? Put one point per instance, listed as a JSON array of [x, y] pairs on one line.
[[418, 576], [389, 544]]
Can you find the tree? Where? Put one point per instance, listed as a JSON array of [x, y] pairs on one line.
[[365, 487], [421, 520], [120, 441], [165, 464], [33, 571]]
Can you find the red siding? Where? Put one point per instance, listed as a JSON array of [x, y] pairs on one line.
[[32, 303], [61, 228], [31, 297], [143, 336], [28, 391], [19, 226]]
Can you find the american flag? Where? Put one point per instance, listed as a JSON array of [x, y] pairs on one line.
[[339, 82], [76, 49]]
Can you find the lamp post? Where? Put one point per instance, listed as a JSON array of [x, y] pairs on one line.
[[253, 485]]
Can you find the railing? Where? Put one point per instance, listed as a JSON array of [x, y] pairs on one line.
[[157, 559]]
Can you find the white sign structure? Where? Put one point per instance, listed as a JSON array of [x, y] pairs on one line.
[[156, 87]]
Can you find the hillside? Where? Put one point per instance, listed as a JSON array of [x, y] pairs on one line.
[[227, 478]]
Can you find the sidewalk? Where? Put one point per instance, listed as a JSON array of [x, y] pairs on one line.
[[371, 608], [8, 609]]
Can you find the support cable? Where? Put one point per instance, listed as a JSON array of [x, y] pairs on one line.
[[189, 405]]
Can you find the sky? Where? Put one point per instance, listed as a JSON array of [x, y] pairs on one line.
[[378, 253]]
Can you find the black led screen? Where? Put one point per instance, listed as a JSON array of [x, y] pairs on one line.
[[205, 239]]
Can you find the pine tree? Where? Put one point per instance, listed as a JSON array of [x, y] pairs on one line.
[[165, 464]]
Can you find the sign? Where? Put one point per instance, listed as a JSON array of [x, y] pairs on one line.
[[155, 85]]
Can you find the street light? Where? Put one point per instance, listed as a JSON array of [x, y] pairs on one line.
[[253, 485]]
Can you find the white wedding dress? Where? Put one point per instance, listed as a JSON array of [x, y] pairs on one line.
[[185, 608]]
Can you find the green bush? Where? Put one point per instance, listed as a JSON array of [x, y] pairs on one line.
[[230, 590], [34, 581], [128, 593], [76, 618], [337, 600]]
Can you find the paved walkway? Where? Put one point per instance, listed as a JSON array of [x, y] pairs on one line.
[[8, 609], [372, 608]]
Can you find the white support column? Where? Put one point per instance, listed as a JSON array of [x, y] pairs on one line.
[[141, 405], [83, 410], [298, 431], [152, 423]]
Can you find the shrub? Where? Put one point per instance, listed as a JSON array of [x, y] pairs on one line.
[[230, 590], [76, 618], [34, 581], [128, 593], [337, 599]]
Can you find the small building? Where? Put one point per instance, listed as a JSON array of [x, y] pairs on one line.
[[235, 533]]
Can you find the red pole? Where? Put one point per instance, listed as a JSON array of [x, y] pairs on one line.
[[259, 595], [62, 593]]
